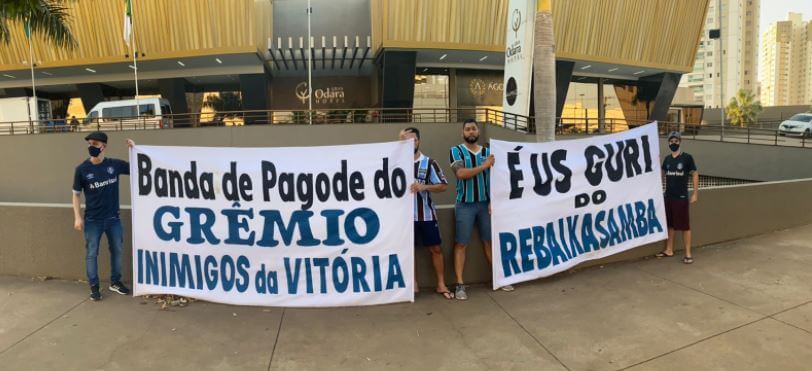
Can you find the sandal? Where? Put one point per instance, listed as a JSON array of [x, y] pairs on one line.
[[662, 254], [688, 260], [446, 294]]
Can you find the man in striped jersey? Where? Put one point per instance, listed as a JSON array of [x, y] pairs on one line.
[[428, 178], [471, 164]]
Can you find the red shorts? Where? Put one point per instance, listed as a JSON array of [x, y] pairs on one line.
[[677, 214]]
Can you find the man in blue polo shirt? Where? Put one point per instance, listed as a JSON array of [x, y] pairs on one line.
[[98, 178]]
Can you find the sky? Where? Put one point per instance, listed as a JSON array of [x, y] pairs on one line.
[[777, 10]]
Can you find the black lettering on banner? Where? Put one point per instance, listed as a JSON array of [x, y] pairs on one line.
[[594, 165], [229, 184], [144, 180], [564, 184], [516, 174]]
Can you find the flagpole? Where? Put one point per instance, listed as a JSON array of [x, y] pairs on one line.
[[309, 66], [135, 57], [33, 82]]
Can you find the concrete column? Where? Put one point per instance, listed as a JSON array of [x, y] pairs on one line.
[[91, 94], [255, 89], [601, 107], [666, 88], [563, 76], [174, 90], [398, 83]]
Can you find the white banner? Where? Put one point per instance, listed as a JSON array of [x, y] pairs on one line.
[[561, 203], [293, 227], [519, 56]]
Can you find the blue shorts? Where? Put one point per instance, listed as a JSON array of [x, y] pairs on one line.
[[427, 233], [467, 214]]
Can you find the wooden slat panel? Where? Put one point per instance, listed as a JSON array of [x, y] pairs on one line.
[[650, 33], [163, 28]]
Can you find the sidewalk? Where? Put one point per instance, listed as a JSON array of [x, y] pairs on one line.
[[741, 305]]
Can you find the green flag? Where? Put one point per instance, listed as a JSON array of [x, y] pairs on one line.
[[27, 28], [128, 20]]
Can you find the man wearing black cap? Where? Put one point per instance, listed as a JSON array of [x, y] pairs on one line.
[[97, 177], [678, 167]]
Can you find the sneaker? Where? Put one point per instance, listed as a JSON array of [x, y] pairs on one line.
[[119, 288], [459, 292], [507, 288], [95, 295]]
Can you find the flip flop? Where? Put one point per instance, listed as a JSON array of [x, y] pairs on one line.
[[688, 260], [445, 294], [662, 254]]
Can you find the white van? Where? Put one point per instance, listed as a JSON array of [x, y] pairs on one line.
[[121, 115]]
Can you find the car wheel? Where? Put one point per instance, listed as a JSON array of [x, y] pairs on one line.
[[808, 133]]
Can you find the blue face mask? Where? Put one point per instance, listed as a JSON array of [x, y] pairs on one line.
[[94, 151], [674, 147]]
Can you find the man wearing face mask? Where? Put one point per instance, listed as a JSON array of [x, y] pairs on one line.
[[98, 178], [678, 167]]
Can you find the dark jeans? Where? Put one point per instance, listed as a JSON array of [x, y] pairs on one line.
[[115, 238]]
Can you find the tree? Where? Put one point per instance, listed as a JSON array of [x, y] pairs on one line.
[[743, 109], [46, 17], [544, 72]]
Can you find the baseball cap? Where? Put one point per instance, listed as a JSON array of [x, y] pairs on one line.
[[97, 135], [675, 134]]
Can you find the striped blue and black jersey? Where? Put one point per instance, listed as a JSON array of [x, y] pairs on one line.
[[475, 189], [426, 171]]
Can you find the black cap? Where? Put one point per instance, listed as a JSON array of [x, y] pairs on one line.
[[97, 135]]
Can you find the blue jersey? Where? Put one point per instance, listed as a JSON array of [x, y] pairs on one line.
[[475, 189], [426, 171], [100, 185]]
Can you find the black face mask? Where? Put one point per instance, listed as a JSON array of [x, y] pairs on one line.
[[674, 147], [94, 151]]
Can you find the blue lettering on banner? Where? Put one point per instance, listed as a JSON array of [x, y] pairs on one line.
[[168, 226], [233, 273], [525, 250]]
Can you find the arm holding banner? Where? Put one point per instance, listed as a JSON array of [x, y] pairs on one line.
[[467, 173], [434, 188]]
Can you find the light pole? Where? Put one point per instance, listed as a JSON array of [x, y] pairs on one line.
[[309, 67]]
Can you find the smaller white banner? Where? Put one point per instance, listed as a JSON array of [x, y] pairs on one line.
[[519, 57], [558, 204]]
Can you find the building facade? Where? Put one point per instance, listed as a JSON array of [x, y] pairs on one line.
[[718, 74], [786, 62], [396, 54]]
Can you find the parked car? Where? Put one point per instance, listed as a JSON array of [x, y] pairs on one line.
[[121, 115], [798, 125]]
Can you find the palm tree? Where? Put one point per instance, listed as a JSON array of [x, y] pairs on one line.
[[743, 109], [47, 17], [544, 72]]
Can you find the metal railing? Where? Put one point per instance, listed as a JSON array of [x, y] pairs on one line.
[[765, 132]]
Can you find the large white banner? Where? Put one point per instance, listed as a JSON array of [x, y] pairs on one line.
[[293, 227], [561, 203], [519, 56]]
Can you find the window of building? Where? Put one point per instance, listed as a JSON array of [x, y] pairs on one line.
[[710, 54]]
